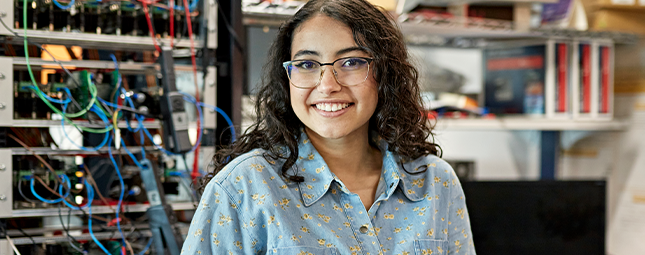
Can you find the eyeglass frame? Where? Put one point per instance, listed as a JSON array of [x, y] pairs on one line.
[[287, 63]]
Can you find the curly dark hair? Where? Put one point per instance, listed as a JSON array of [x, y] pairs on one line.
[[399, 117]]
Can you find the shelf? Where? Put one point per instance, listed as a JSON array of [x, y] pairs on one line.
[[633, 8], [523, 123], [96, 210], [97, 124], [183, 228], [114, 42], [50, 151], [93, 64], [104, 150], [437, 30], [452, 2]]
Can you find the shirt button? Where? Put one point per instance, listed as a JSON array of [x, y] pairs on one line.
[[363, 229]]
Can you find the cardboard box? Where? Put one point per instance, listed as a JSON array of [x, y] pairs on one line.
[[617, 2], [621, 20]]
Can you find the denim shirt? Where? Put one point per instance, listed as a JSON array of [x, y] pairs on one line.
[[248, 208]]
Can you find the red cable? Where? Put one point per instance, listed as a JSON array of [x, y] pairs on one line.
[[195, 172], [152, 32], [172, 22]]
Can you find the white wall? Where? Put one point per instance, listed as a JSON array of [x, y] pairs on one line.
[[498, 154]]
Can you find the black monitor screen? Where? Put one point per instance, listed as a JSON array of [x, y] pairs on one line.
[[537, 217]]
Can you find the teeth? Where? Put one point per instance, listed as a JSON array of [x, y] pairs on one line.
[[331, 107]]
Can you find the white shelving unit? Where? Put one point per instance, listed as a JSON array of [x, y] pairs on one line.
[[523, 123]]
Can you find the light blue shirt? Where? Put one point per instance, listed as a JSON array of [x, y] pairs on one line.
[[248, 208]]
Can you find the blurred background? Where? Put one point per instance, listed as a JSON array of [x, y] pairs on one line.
[[539, 106]]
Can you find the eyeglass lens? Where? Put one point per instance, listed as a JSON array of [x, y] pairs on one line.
[[348, 72]]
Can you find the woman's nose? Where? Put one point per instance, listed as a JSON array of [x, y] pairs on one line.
[[328, 83]]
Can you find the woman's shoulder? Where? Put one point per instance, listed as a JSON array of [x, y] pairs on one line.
[[429, 163], [430, 167], [249, 164], [427, 176]]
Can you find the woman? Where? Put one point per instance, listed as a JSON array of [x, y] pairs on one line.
[[338, 161]]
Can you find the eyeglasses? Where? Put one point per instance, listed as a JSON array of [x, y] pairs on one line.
[[306, 74]]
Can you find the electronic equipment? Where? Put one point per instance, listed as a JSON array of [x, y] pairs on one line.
[[175, 119], [110, 75]]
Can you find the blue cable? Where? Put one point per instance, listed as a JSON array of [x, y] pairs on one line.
[[54, 201], [147, 247], [118, 173], [127, 99], [228, 120], [143, 147], [89, 226], [90, 196], [50, 99], [139, 118], [105, 120], [108, 103], [64, 7], [191, 6]]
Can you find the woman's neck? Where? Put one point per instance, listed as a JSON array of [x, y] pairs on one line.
[[351, 155]]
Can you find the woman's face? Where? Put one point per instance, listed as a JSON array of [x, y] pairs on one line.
[[331, 110]]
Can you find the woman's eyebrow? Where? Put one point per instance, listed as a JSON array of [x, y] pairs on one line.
[[350, 49], [305, 52]]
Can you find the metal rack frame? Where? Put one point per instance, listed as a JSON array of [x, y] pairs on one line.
[[115, 42]]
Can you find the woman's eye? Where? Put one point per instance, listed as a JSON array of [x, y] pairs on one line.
[[353, 62], [306, 65]]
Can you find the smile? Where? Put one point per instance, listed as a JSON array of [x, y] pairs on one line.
[[332, 107]]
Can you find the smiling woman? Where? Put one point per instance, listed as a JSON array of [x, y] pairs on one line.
[[339, 159]]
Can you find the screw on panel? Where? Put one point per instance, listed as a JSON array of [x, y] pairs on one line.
[[1, 76], [2, 167], [3, 14], [2, 106], [3, 197]]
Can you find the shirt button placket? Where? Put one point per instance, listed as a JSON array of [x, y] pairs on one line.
[[361, 224]]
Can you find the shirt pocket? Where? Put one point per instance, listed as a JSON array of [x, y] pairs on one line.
[[304, 250], [430, 246]]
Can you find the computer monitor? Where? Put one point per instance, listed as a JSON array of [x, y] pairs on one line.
[[537, 217]]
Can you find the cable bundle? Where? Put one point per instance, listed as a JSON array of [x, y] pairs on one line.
[[109, 118]]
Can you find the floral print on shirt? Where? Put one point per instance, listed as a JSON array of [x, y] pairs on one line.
[[248, 208]]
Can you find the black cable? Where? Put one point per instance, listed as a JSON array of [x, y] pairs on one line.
[[23, 194], [70, 238], [25, 234]]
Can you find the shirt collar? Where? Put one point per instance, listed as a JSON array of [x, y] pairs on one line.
[[311, 166], [318, 179]]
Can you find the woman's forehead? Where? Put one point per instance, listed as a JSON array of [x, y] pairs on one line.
[[322, 36]]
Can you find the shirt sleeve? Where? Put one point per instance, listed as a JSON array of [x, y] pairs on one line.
[[218, 226], [460, 236]]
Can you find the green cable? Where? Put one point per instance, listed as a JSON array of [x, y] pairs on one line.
[[40, 93]]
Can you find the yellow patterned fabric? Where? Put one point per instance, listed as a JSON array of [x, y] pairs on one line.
[[248, 208]]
